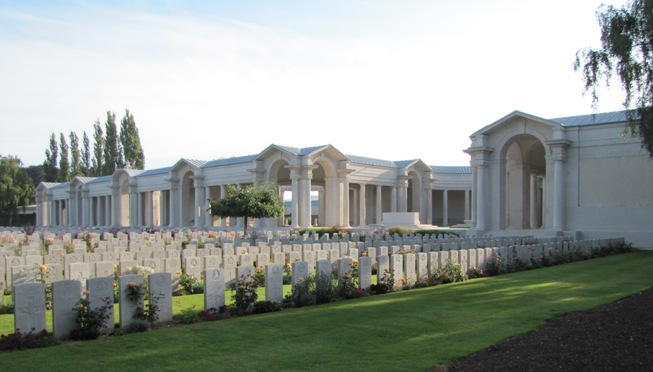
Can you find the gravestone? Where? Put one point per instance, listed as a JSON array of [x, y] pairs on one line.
[[422, 266], [382, 269], [100, 294], [396, 269], [433, 263], [274, 282], [409, 268], [128, 307], [160, 294], [364, 272], [324, 268], [29, 307], [299, 272], [65, 297], [214, 285], [229, 265]]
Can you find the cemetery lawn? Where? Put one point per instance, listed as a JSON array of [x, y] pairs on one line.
[[412, 330]]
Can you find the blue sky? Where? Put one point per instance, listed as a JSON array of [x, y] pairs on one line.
[[394, 80]]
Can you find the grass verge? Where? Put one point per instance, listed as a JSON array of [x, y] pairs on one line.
[[402, 331]]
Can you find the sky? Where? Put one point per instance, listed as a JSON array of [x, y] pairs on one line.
[[392, 80]]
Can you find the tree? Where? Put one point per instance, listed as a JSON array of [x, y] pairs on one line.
[[131, 142], [97, 168], [255, 201], [112, 153], [64, 167], [16, 189], [627, 49], [86, 155], [75, 156], [50, 164]]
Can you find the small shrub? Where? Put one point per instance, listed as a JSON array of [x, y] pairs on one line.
[[261, 307], [326, 289], [90, 322], [385, 284], [475, 272], [450, 272], [209, 314], [22, 341], [302, 293], [245, 294], [187, 316], [421, 284], [138, 326]]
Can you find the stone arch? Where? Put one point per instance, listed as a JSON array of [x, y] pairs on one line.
[[522, 180]]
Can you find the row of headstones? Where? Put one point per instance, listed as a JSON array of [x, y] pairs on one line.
[[81, 266], [29, 298]]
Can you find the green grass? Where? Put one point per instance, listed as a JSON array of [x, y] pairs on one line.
[[409, 330]]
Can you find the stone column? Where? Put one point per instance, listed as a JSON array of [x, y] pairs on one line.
[[393, 199], [429, 204], [208, 220], [307, 176], [403, 194], [173, 204], [294, 207], [533, 201], [480, 197], [162, 207], [343, 181], [558, 195], [223, 194], [558, 154], [362, 206], [467, 192], [445, 207], [379, 204], [199, 213], [108, 216]]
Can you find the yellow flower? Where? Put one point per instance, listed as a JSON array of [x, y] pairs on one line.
[[403, 280], [2, 293], [301, 280], [85, 293], [132, 284], [43, 268], [179, 272], [202, 276]]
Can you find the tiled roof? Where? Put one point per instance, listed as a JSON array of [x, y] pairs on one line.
[[443, 169], [152, 172], [230, 161], [371, 161], [593, 119]]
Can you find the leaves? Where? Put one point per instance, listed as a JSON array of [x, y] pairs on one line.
[[255, 201], [627, 50]]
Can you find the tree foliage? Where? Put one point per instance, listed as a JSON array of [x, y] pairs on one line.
[[98, 150], [64, 165], [131, 142], [50, 165], [86, 155], [16, 188], [259, 200], [112, 154], [75, 156], [627, 50]]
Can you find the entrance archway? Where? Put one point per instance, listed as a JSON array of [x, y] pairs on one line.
[[523, 179]]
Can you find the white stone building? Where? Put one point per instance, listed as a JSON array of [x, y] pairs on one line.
[[574, 176], [353, 191]]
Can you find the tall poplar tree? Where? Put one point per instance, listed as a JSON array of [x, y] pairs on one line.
[[131, 142], [75, 156], [51, 161], [97, 167], [112, 152], [64, 166], [86, 155]]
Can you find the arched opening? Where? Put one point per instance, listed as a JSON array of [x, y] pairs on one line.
[[524, 176], [414, 196]]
